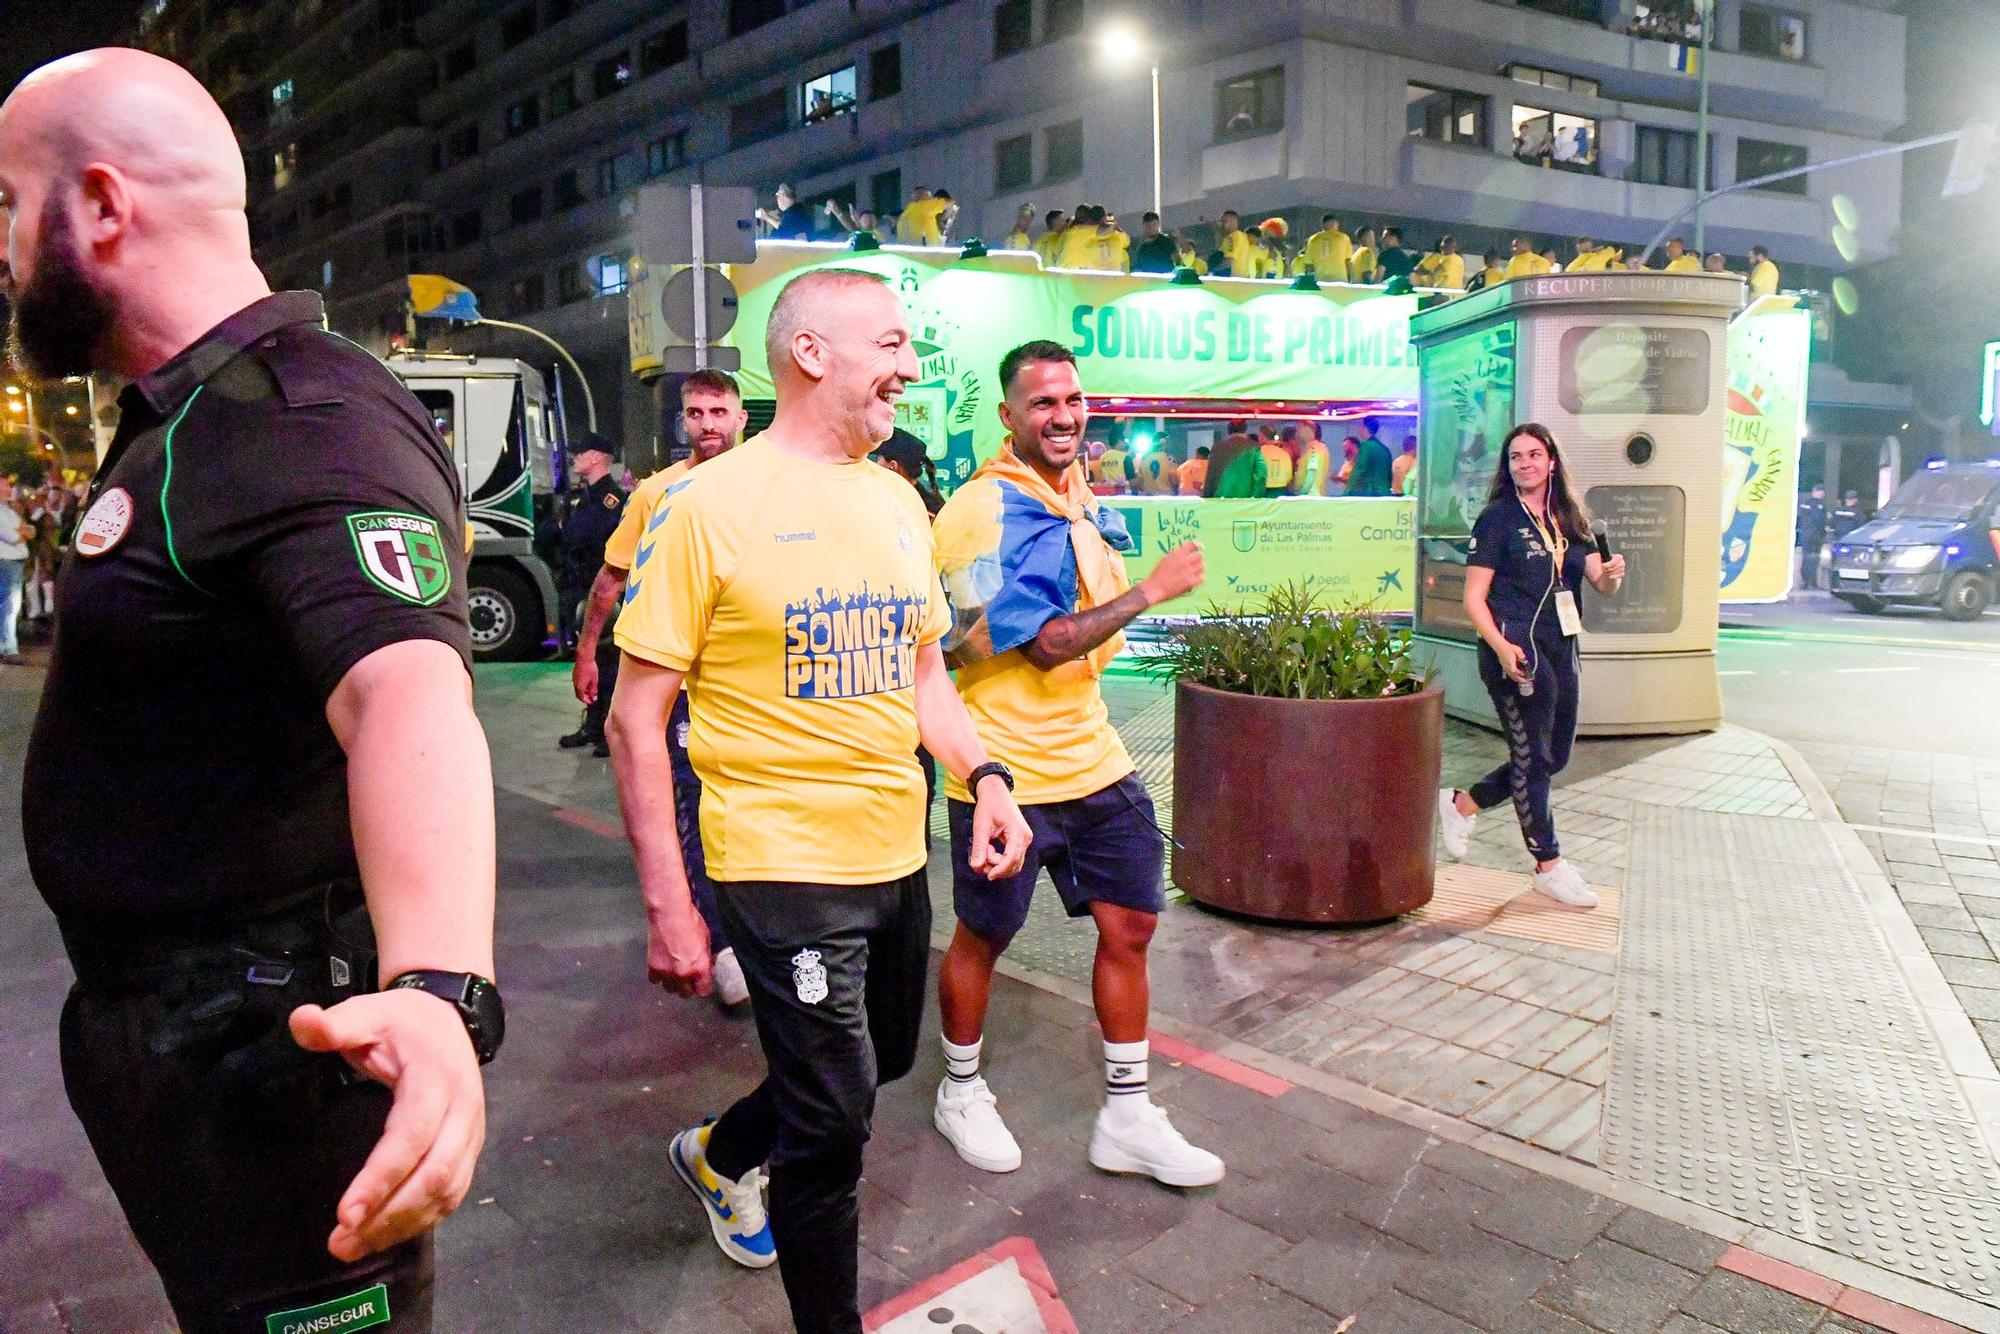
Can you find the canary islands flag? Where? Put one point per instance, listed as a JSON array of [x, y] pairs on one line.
[[438, 298], [1687, 59]]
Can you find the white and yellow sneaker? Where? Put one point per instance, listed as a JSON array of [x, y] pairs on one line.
[[735, 1208]]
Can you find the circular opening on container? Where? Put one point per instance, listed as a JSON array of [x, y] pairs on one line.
[[1639, 450]]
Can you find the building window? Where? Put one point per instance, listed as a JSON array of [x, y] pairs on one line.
[[664, 49], [462, 143], [1554, 139], [1548, 78], [1061, 18], [1062, 151], [1777, 33], [525, 205], [607, 176], [465, 228], [885, 72], [666, 154], [885, 191], [759, 117], [526, 294], [745, 15], [402, 237], [568, 192], [1664, 157], [524, 115], [1250, 104], [517, 27], [1757, 157], [458, 61], [1668, 20], [562, 96], [1013, 28], [284, 166], [1013, 163], [611, 274], [569, 284], [827, 96], [1445, 114], [281, 103], [611, 74], [1589, 11]]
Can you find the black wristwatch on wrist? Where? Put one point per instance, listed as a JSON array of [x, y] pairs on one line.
[[476, 1000], [990, 769]]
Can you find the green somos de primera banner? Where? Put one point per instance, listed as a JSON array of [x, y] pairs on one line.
[[1133, 337]]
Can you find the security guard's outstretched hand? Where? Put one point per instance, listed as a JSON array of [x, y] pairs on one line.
[[422, 1166]]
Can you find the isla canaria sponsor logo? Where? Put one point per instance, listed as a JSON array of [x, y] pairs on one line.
[[843, 645]]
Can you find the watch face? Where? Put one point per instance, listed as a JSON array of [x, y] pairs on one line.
[[484, 999]]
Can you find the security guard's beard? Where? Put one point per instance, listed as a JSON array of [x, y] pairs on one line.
[[58, 315]]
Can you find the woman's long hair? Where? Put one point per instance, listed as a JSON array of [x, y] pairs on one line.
[[1565, 505]]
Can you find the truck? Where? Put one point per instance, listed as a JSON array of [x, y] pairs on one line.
[[1935, 544], [505, 433]]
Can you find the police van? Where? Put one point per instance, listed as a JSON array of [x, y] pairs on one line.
[[495, 415], [1935, 544]]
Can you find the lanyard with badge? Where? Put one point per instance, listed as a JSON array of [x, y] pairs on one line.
[[1557, 545]]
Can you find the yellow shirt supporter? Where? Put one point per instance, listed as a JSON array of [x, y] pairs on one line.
[[1049, 246], [1527, 265], [795, 595], [1687, 263], [922, 222], [623, 546], [1592, 261], [1361, 265], [1763, 278], [1236, 248], [1326, 254], [1441, 270], [1017, 240]]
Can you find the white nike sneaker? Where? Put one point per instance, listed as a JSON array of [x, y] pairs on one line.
[[730, 988], [1454, 829], [1565, 884], [1148, 1145], [968, 1115]]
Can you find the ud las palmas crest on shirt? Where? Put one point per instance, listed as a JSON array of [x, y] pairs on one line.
[[809, 976], [402, 554]]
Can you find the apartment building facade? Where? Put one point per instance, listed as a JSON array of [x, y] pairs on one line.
[[503, 142]]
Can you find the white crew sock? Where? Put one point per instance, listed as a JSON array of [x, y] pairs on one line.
[[1125, 1078], [961, 1064]]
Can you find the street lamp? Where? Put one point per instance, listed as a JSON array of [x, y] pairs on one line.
[[1121, 46]]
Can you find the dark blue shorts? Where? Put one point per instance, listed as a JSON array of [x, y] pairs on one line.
[[1103, 848]]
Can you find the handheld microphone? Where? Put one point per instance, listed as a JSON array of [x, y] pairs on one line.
[[1600, 533]]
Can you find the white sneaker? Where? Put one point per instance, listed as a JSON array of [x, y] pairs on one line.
[[968, 1115], [1148, 1145], [1565, 884], [730, 988], [1453, 828], [735, 1208]]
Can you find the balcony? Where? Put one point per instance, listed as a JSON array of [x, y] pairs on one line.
[[1244, 161]]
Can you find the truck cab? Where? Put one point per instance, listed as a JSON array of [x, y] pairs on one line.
[[1935, 544], [495, 415]]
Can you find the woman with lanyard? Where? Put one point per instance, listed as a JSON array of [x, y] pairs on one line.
[[1531, 552]]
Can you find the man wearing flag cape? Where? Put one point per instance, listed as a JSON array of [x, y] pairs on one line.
[[1039, 597]]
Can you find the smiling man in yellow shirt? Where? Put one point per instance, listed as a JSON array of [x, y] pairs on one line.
[[1039, 597], [792, 588], [1679, 260], [1327, 252]]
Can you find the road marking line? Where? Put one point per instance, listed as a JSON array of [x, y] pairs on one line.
[[1736, 673], [1932, 834], [1937, 657], [1851, 671]]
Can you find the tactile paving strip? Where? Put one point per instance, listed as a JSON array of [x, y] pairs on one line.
[[1768, 1060]]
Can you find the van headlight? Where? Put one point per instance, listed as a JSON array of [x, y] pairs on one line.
[[1913, 558]]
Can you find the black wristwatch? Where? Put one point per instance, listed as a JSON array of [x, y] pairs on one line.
[[476, 999], [990, 769]]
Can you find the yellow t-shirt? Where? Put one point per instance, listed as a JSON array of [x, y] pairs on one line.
[[1591, 261], [1763, 278], [1687, 263], [1527, 266], [1361, 265], [622, 548], [1326, 254], [795, 596], [1049, 246], [1441, 270], [1114, 250], [1277, 467], [1017, 240], [1078, 248], [1494, 274], [919, 224], [1309, 478], [1236, 248]]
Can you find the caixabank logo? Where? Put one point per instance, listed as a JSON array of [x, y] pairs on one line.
[[844, 645]]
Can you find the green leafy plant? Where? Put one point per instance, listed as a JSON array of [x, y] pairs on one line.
[[1293, 646]]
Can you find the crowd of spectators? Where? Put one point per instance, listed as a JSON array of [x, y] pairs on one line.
[[1089, 236]]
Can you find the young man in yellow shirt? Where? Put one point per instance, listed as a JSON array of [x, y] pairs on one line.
[[1017, 238], [1763, 273], [1327, 252], [1526, 263], [712, 415], [1315, 465], [1238, 251], [1493, 271], [1590, 257], [1049, 244], [793, 590], [1361, 262], [926, 218], [1678, 258], [1036, 616], [1443, 267]]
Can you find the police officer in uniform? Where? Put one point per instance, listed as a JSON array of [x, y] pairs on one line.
[[256, 796], [591, 521]]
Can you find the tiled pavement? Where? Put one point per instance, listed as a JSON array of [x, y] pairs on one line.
[[1340, 1202]]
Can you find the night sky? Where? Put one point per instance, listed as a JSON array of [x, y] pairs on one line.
[[33, 32]]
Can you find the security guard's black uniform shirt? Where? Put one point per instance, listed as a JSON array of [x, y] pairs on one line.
[[274, 508], [590, 524]]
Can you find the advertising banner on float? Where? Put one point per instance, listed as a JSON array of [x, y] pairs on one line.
[[1762, 427], [1354, 553], [1133, 336]]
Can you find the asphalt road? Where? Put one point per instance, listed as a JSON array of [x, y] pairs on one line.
[[1816, 671]]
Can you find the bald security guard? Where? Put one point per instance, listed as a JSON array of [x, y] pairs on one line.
[[258, 713]]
